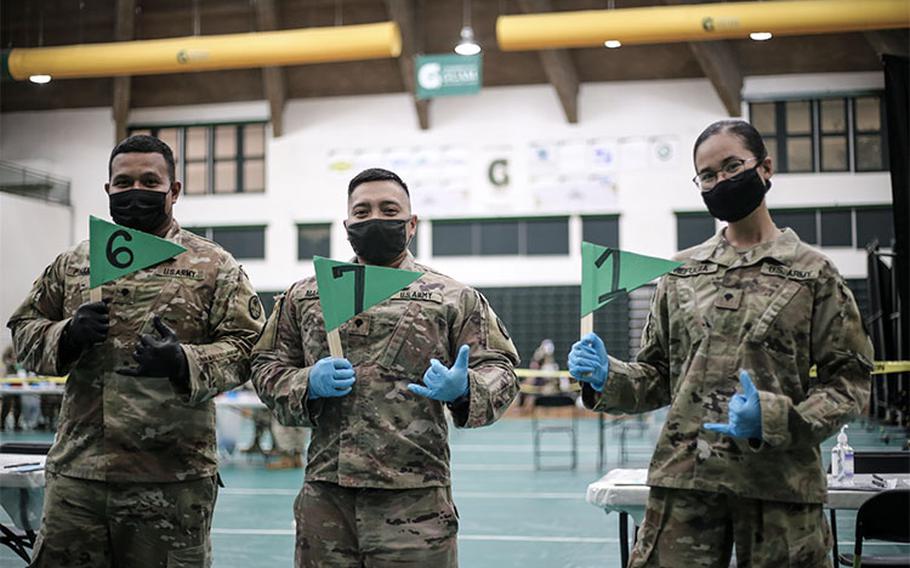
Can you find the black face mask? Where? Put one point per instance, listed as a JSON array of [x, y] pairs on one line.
[[378, 241], [734, 198], [140, 209]]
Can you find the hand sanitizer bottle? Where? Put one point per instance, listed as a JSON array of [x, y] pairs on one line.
[[847, 455], [837, 457]]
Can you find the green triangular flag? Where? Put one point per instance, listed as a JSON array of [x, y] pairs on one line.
[[346, 289], [116, 251], [607, 273]]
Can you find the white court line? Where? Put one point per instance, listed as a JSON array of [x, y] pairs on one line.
[[458, 494], [473, 537], [501, 537]]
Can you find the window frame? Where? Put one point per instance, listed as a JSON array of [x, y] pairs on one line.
[[210, 159]]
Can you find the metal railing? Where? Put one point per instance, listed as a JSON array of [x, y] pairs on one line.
[[19, 180]]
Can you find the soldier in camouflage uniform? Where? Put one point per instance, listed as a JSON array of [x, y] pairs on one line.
[[131, 477], [755, 306], [377, 489]]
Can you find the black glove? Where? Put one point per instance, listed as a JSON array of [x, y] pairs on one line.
[[89, 326], [159, 357]]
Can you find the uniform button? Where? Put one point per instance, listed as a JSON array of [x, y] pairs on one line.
[[358, 322], [125, 292]]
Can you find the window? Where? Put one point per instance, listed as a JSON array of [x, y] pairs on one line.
[[803, 222], [601, 230], [242, 242], [693, 229], [540, 236], [314, 240], [874, 223], [869, 138], [853, 227], [837, 134], [216, 158]]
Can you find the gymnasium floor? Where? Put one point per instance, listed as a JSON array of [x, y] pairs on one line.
[[511, 516]]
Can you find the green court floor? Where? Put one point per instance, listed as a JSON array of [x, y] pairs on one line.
[[511, 515]]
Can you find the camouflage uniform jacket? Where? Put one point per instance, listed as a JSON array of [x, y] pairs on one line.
[[124, 429], [774, 310], [381, 435]]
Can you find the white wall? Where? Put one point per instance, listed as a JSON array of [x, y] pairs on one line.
[[302, 187], [32, 234]]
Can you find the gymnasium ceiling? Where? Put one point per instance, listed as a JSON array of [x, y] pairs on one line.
[[435, 26]]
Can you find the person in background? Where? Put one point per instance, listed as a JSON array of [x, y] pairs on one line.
[[132, 475], [10, 403], [378, 487], [729, 341]]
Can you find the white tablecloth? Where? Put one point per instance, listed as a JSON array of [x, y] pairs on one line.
[[625, 490], [22, 489]]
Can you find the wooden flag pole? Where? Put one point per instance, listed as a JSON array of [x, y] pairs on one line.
[[94, 294], [587, 324], [335, 349]]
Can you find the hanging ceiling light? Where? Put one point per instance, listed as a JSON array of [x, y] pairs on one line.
[[467, 45]]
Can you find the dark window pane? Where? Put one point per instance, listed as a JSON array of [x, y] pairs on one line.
[[867, 113], [869, 153], [313, 240], [834, 154], [201, 231], [453, 238], [799, 155], [872, 224], [833, 116], [601, 230], [837, 228], [763, 118], [242, 242], [693, 229], [799, 117], [803, 222], [498, 237], [548, 236]]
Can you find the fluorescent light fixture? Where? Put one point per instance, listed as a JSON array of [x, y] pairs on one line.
[[761, 36], [40, 79], [612, 43], [467, 45]]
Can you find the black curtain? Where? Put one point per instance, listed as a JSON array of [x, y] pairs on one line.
[[897, 105]]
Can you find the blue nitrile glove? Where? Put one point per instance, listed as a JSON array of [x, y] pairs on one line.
[[330, 377], [446, 385], [588, 361], [745, 412]]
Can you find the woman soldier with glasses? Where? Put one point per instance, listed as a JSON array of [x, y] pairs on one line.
[[728, 345]]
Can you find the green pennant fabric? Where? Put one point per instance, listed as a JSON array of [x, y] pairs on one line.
[[607, 273], [346, 289], [116, 251]]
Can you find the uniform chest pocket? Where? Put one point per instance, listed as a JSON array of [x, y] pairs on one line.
[[776, 314], [419, 336]]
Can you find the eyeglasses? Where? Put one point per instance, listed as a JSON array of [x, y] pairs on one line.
[[708, 178]]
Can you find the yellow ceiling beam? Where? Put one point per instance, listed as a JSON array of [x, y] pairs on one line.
[[697, 22]]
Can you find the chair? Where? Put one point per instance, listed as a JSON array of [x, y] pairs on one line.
[[883, 517], [871, 462], [554, 401]]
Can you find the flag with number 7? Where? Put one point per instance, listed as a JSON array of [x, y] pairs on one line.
[[346, 290]]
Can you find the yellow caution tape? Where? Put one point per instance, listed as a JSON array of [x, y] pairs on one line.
[[880, 368]]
